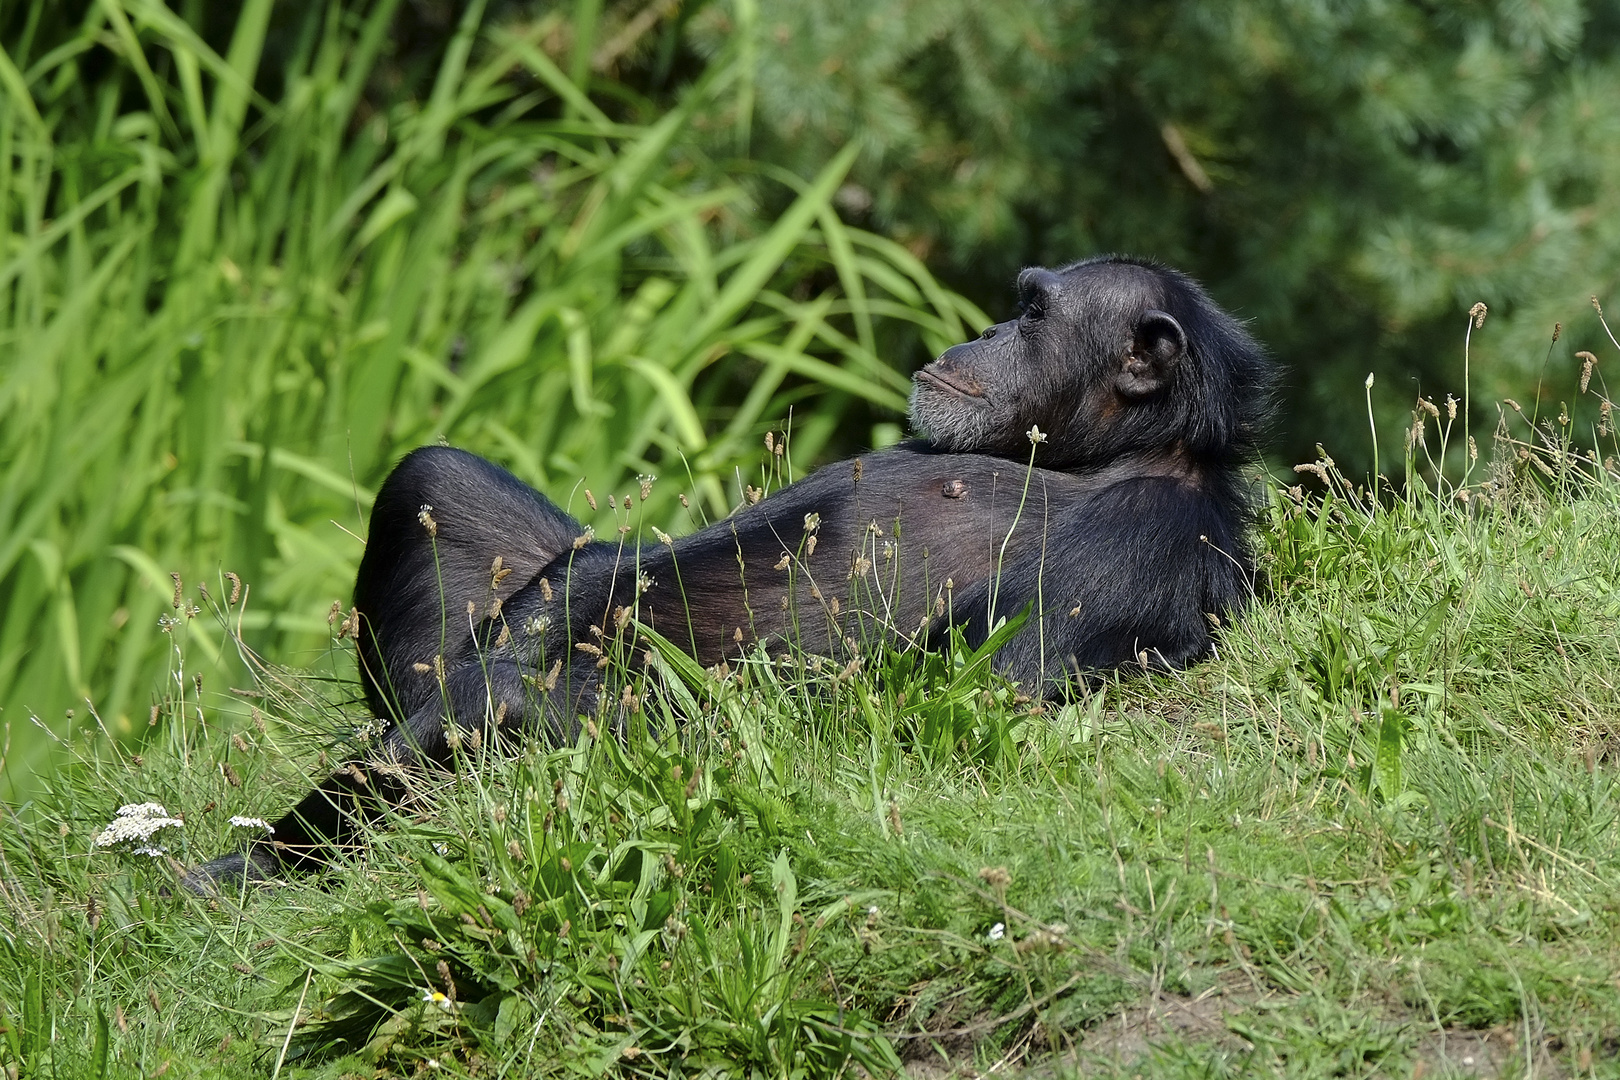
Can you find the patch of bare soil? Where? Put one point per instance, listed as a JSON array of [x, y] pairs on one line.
[[1131, 1034], [1123, 1038], [1128, 1037], [949, 1050], [1466, 1052]]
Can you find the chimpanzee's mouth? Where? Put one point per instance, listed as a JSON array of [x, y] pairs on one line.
[[962, 388]]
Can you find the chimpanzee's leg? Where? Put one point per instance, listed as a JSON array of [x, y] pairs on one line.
[[439, 522], [324, 822], [487, 694]]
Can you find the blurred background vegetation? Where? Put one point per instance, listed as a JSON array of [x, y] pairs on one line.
[[251, 252]]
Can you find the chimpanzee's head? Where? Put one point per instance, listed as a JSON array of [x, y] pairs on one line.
[[1108, 357]]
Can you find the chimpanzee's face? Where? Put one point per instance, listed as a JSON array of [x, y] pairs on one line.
[[1087, 360]]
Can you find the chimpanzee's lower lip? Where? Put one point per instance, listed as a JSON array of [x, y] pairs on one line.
[[949, 386]]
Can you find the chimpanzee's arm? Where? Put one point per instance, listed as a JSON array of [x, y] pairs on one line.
[[1134, 570]]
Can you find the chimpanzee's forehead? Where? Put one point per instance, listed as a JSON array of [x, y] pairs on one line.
[[1101, 287]]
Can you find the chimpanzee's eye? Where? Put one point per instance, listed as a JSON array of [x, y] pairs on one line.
[[1031, 306]]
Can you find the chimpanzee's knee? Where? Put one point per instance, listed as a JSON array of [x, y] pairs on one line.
[[428, 575]]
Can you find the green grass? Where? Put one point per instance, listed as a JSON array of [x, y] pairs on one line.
[[1380, 833], [222, 318]]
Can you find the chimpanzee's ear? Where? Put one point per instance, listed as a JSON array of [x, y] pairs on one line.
[[1157, 346]]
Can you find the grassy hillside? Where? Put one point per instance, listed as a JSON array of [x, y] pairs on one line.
[[1380, 835], [1376, 836]]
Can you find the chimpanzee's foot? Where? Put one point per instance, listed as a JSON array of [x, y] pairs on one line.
[[256, 866]]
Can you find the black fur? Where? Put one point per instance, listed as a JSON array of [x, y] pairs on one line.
[[1126, 536]]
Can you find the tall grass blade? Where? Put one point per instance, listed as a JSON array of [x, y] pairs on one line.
[[218, 335]]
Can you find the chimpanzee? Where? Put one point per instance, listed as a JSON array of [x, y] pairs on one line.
[[482, 604]]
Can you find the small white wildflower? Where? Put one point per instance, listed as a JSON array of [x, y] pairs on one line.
[[1036, 435], [434, 997], [151, 851], [537, 625], [997, 932], [371, 729], [441, 847], [643, 583], [134, 826], [241, 822]]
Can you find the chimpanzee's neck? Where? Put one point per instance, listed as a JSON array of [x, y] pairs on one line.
[[1171, 463]]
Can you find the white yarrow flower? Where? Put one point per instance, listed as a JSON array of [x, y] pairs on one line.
[[997, 932], [134, 826], [252, 823]]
